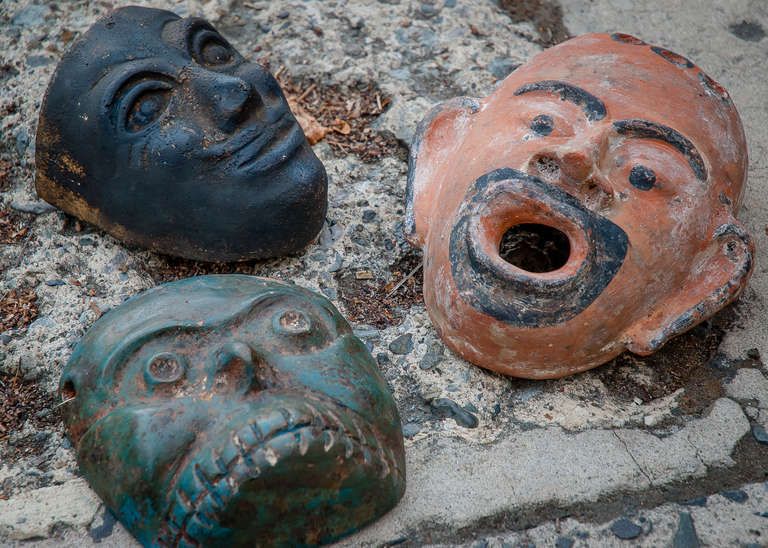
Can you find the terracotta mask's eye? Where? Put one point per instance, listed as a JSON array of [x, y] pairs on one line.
[[542, 125], [292, 322], [210, 49], [642, 178], [147, 107], [164, 368]]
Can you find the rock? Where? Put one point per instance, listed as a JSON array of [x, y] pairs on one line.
[[685, 537], [446, 407], [33, 514], [625, 529], [749, 384], [403, 115], [736, 495], [564, 542], [55, 283], [700, 501], [402, 345], [500, 67], [411, 429], [368, 215], [31, 16], [760, 434], [36, 208], [432, 357]]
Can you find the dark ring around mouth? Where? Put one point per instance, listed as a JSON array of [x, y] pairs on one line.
[[521, 298]]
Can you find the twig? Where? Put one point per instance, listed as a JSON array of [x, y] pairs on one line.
[[401, 282], [309, 90], [279, 71], [64, 402], [21, 252], [378, 101]]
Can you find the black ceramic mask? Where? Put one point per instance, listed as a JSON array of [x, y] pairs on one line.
[[157, 130]]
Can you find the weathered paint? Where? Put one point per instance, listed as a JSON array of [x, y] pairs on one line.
[[157, 130], [233, 411], [629, 150]]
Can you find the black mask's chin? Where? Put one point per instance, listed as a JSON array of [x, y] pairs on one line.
[[515, 297]]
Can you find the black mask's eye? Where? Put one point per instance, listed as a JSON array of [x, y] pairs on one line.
[[542, 125], [642, 178], [210, 49], [146, 108]]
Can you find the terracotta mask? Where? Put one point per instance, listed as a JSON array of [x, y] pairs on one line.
[[157, 130], [587, 206], [233, 411]]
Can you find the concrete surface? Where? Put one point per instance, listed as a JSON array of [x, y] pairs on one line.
[[574, 462]]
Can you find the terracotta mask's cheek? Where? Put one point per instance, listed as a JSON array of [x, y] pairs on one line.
[[233, 410], [191, 150]]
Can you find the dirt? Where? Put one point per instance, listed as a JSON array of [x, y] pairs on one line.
[[18, 309], [346, 113], [690, 361], [13, 229], [24, 401], [545, 15], [380, 303]]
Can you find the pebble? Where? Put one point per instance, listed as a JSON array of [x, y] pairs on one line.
[[283, 14], [411, 429], [31, 16], [432, 357], [685, 537], [36, 208], [760, 434], [564, 542], [736, 495], [500, 67], [402, 345], [700, 501], [368, 215], [55, 283], [446, 407], [625, 529]]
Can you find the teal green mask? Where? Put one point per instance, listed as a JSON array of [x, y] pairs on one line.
[[233, 411]]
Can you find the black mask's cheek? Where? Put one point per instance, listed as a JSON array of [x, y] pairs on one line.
[[522, 299]]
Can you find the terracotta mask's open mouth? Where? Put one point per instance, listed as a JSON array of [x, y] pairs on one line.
[[529, 254]]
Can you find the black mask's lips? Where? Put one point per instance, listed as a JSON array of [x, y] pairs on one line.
[[528, 300], [271, 149], [229, 479]]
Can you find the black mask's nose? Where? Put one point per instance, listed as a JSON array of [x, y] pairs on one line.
[[229, 98]]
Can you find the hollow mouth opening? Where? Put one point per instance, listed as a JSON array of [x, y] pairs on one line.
[[68, 391], [535, 248]]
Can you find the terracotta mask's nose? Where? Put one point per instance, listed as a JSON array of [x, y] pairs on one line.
[[576, 165]]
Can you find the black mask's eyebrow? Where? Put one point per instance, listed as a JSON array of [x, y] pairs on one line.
[[643, 129], [593, 107]]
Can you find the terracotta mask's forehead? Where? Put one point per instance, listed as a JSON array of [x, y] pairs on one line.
[[627, 78]]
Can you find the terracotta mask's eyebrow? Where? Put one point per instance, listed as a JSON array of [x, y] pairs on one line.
[[593, 108], [644, 129]]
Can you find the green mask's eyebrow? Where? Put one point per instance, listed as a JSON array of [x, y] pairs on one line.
[[644, 129]]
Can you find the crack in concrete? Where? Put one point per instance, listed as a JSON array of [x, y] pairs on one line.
[[626, 448]]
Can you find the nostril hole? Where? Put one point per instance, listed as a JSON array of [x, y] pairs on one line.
[[548, 168], [233, 377], [535, 248], [68, 391]]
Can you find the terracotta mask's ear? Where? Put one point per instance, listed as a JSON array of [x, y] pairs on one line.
[[436, 140], [718, 277]]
